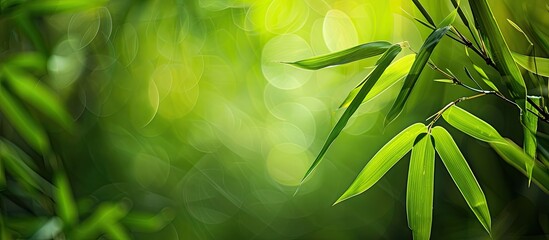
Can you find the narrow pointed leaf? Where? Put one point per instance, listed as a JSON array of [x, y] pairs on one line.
[[418, 65], [462, 175], [449, 20], [105, 215], [29, 60], [424, 12], [393, 74], [530, 143], [383, 160], [30, 130], [471, 125], [460, 12], [499, 51], [419, 192], [485, 78], [66, 207], [444, 81], [516, 157], [19, 169], [37, 95], [371, 80], [345, 56], [529, 63], [520, 30]]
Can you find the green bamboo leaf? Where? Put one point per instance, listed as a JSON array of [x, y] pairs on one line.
[[345, 56], [393, 74], [116, 231], [520, 30], [529, 63], [444, 81], [462, 175], [460, 12], [471, 125], [516, 157], [371, 80], [530, 129], [500, 51], [19, 169], [66, 207], [424, 12], [418, 65], [30, 130], [383, 160], [419, 192], [485, 78], [37, 95], [449, 20], [148, 222]]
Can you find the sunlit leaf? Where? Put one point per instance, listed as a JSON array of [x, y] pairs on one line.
[[371, 80], [39, 96], [419, 192], [384, 160], [516, 157], [500, 51], [394, 73], [485, 78], [424, 12], [530, 129], [29, 60], [449, 20], [105, 215], [418, 65], [471, 125], [444, 81], [520, 30], [30, 130], [462, 175], [529, 63], [345, 56], [66, 208]]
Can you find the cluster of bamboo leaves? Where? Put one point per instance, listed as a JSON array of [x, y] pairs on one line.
[[25, 103], [424, 140]]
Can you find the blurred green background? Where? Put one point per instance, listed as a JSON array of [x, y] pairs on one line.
[[183, 106]]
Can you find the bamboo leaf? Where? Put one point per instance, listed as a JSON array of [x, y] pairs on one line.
[[29, 60], [449, 20], [383, 160], [419, 192], [484, 77], [418, 65], [444, 81], [516, 157], [20, 170], [393, 74], [424, 12], [106, 215], [345, 56], [530, 143], [520, 30], [30, 130], [471, 125], [37, 95], [66, 207], [371, 80], [462, 175], [500, 51], [529, 63]]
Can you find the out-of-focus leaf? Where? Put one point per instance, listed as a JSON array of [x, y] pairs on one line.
[[30, 130], [20, 170], [49, 230], [530, 129], [418, 65], [449, 20], [516, 157], [462, 175], [66, 208], [39, 96], [56, 6], [345, 56], [520, 30], [383, 160], [471, 125], [485, 78], [116, 231], [394, 73], [2, 175], [31, 30], [105, 215], [527, 62], [419, 192], [146, 222], [500, 51], [371, 80], [29, 60]]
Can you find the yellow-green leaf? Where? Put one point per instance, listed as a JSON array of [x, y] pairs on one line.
[[530, 129], [529, 63], [383, 160], [462, 175], [66, 207], [393, 74], [345, 56], [419, 192], [371, 80], [471, 125], [485, 78]]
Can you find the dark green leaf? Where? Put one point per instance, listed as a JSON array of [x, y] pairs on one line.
[[102, 220], [418, 65], [530, 129], [383, 160], [462, 175], [371, 80], [424, 12], [419, 192], [345, 56]]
